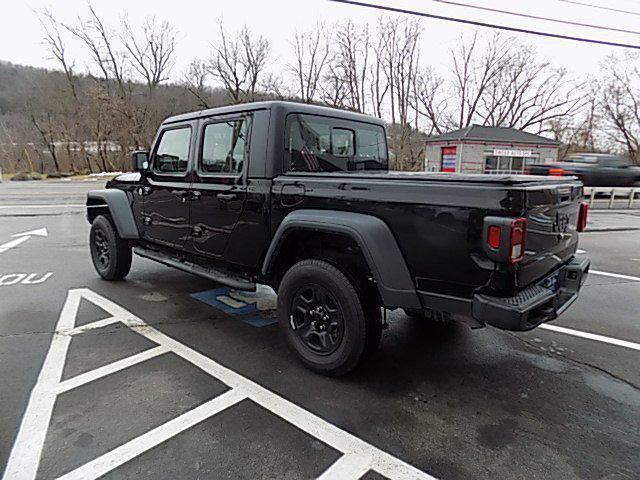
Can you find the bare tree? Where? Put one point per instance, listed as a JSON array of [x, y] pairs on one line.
[[348, 69], [311, 59], [378, 84], [620, 101], [475, 72], [71, 122], [238, 62], [530, 94], [399, 57], [256, 55], [580, 132], [56, 46], [195, 81], [153, 55], [100, 41], [429, 101], [497, 83]]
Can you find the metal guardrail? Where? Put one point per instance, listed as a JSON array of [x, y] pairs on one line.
[[612, 192]]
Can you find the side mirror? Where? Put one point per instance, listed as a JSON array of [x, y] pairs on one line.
[[140, 160]]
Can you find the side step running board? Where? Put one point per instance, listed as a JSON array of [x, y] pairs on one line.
[[208, 273]]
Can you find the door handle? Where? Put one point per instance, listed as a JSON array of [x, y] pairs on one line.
[[226, 196], [195, 195]]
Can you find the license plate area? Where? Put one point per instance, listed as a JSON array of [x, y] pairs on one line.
[[552, 282]]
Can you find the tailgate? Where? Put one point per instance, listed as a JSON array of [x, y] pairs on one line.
[[552, 237]]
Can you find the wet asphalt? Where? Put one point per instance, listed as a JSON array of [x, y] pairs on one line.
[[454, 402]]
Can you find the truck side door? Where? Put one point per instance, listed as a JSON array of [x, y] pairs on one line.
[[165, 187], [219, 186]]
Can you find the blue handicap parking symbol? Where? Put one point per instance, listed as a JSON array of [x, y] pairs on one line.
[[255, 308]]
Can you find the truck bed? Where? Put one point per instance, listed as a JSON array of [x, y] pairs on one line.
[[438, 221]]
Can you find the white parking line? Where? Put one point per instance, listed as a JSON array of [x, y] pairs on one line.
[[615, 275], [25, 454], [358, 456], [591, 336], [53, 205]]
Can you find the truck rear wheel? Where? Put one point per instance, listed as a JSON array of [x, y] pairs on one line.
[[111, 254], [323, 318]]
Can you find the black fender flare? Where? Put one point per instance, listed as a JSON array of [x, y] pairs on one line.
[[119, 209], [374, 238]]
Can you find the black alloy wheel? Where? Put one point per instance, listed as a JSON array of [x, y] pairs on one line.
[[317, 319], [101, 248]]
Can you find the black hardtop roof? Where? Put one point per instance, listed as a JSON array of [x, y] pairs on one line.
[[492, 134], [288, 107]]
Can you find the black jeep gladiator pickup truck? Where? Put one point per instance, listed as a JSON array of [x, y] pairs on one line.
[[300, 198]]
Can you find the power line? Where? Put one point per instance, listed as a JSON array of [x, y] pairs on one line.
[[536, 17], [484, 24], [611, 9]]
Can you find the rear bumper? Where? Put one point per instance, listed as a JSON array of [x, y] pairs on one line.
[[538, 303]]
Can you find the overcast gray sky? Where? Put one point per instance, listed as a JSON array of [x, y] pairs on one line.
[[20, 32]]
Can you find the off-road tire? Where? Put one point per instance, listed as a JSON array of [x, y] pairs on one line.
[[361, 325], [111, 255]]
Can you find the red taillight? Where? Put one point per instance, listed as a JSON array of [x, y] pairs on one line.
[[556, 172], [493, 239], [517, 240], [582, 217]]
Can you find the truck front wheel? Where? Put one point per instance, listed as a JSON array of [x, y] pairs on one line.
[[323, 318], [111, 254]]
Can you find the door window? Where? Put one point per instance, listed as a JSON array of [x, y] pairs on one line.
[[224, 147], [172, 154]]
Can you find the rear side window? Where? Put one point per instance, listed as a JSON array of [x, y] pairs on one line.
[[322, 144], [224, 147], [172, 154]]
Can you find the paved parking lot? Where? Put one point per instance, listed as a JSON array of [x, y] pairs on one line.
[[159, 377]]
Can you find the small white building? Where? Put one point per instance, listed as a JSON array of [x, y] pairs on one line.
[[478, 149]]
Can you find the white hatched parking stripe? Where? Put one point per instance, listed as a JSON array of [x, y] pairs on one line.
[[90, 326], [130, 450], [114, 367], [347, 467], [358, 456]]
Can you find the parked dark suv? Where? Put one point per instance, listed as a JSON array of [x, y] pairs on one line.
[[300, 198]]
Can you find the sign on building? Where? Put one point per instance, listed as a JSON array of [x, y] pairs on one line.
[[501, 152], [449, 159]]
